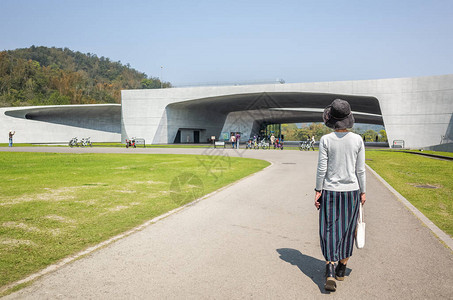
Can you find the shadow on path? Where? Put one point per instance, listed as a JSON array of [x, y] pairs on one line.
[[310, 266]]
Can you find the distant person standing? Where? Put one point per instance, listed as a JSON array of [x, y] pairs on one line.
[[272, 140], [11, 133], [312, 142], [238, 137], [233, 141]]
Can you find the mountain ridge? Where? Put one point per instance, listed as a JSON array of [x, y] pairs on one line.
[[41, 75]]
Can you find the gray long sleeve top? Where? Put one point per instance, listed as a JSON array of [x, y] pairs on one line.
[[341, 163]]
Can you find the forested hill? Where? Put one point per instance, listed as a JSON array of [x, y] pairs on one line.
[[47, 76]]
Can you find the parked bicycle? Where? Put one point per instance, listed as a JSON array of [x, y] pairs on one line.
[[303, 145], [85, 142], [73, 142], [263, 144], [306, 145]]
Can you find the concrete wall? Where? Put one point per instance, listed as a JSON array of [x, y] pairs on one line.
[[60, 123], [416, 110], [207, 122]]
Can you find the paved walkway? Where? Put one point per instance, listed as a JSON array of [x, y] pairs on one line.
[[257, 239]]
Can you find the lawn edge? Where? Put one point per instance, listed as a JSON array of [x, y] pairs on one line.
[[8, 289], [446, 240]]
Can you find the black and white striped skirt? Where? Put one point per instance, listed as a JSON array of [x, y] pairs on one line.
[[337, 223]]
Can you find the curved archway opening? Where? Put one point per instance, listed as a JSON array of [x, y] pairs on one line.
[[248, 113]]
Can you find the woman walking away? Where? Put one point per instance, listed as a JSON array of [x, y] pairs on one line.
[[340, 186]]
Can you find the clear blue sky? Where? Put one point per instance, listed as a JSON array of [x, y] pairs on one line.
[[207, 41]]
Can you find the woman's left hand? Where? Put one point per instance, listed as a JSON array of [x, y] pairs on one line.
[[363, 198]]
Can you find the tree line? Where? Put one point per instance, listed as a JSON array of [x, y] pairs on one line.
[[53, 76], [293, 133]]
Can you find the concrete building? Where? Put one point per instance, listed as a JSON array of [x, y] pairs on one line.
[[416, 112], [60, 123]]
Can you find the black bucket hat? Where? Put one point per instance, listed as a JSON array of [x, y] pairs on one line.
[[338, 115]]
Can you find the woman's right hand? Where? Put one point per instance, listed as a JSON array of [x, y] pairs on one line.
[[317, 196]]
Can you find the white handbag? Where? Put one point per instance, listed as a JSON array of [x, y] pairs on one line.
[[360, 230]]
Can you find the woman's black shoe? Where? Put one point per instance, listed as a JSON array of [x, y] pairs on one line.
[[340, 271], [330, 285]]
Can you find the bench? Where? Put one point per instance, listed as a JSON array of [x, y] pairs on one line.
[[398, 144], [140, 141], [219, 143]]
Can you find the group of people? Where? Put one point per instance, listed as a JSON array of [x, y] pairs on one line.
[[275, 142], [235, 139]]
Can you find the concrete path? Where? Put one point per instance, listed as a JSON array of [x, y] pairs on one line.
[[257, 239]]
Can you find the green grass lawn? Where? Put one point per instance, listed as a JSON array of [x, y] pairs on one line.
[[405, 171], [53, 205]]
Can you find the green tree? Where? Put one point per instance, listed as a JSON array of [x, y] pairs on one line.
[[370, 135], [149, 83], [317, 130], [382, 136]]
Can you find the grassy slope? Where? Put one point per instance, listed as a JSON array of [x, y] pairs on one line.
[[404, 171], [53, 205]]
